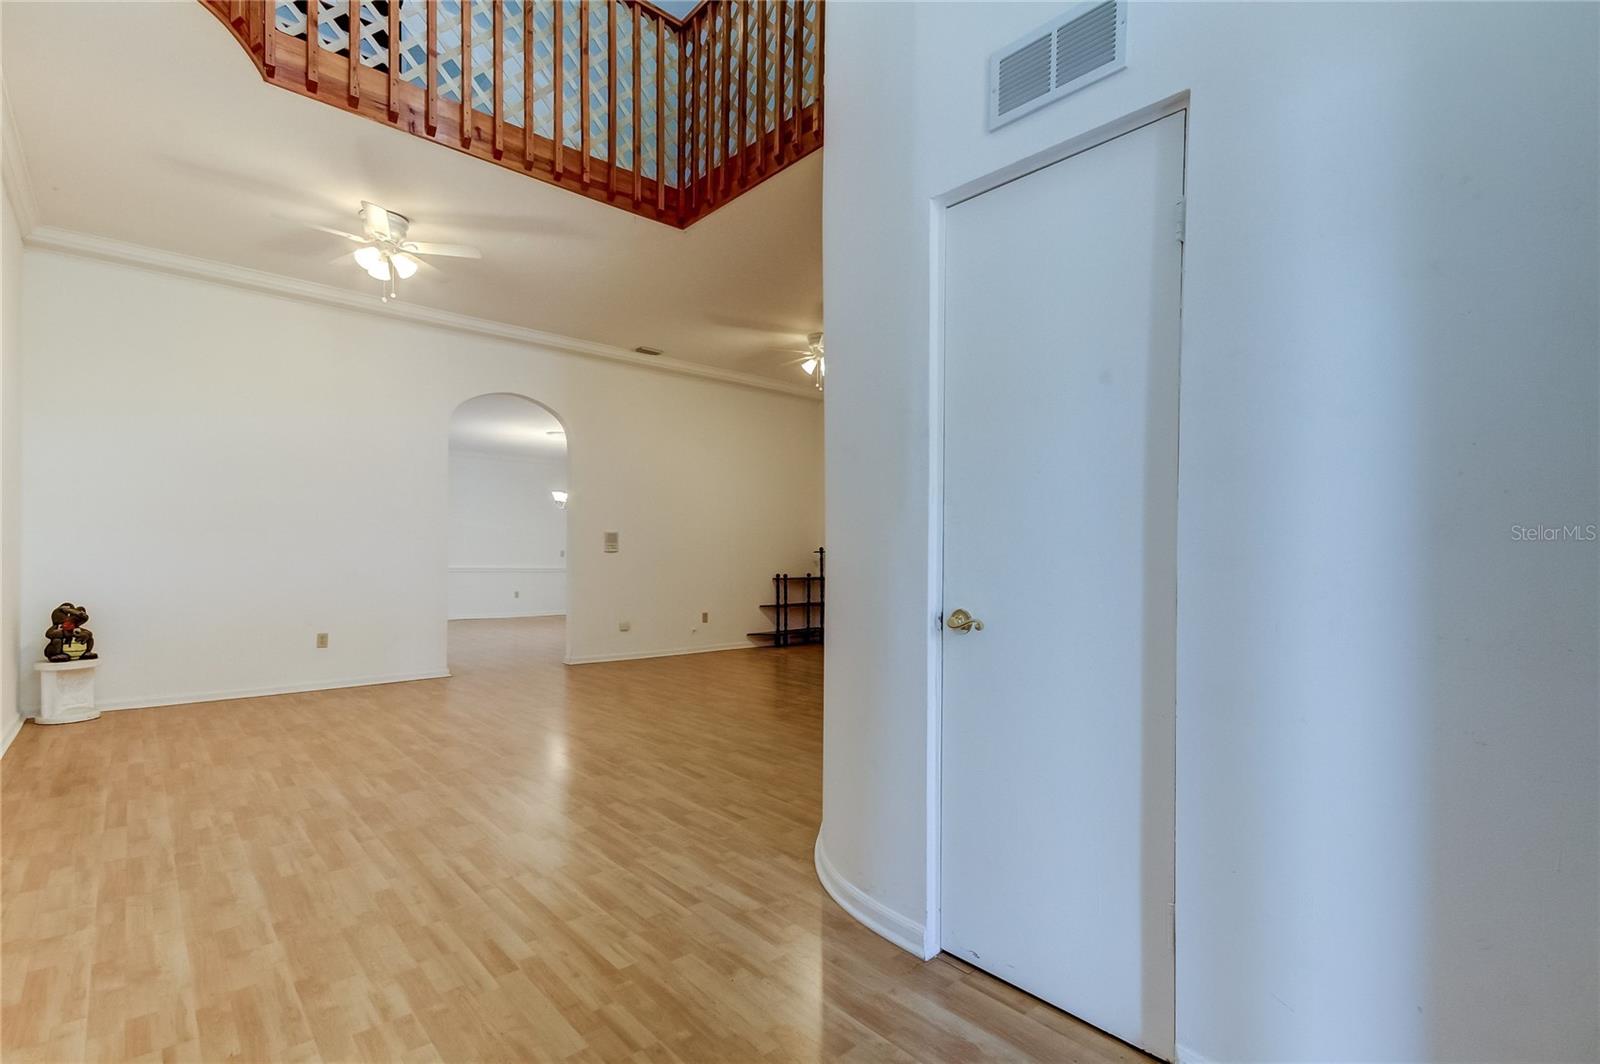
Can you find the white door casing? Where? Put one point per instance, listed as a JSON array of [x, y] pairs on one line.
[[1061, 332]]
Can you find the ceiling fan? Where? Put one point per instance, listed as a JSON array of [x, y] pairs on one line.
[[385, 253], [814, 361]]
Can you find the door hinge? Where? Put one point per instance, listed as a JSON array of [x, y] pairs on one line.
[[1180, 214]]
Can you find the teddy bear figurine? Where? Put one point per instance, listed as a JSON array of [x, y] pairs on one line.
[[68, 639]]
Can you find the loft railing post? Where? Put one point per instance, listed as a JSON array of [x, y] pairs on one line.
[[466, 73], [816, 126], [353, 90], [712, 111], [313, 32], [782, 97], [688, 115], [431, 106], [558, 85], [392, 103], [527, 84], [724, 114], [638, 100], [583, 90], [696, 121], [744, 83], [799, 49], [708, 89], [761, 99], [685, 119], [498, 99], [612, 106], [661, 116], [269, 26], [713, 50]]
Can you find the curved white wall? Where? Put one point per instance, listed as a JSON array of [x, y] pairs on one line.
[[1387, 725]]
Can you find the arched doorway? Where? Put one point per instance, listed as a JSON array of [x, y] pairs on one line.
[[507, 553]]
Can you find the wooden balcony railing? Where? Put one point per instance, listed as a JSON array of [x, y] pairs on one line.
[[613, 99]]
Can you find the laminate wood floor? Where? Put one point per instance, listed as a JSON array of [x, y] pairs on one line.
[[523, 862]]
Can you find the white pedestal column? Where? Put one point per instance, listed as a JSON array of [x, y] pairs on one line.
[[66, 691]]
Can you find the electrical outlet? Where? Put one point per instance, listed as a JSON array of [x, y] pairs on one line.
[[322, 640], [624, 626], [705, 617], [611, 543]]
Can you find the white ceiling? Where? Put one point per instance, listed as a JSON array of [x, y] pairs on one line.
[[146, 123], [507, 425]]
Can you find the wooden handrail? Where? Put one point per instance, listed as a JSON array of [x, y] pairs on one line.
[[688, 156]]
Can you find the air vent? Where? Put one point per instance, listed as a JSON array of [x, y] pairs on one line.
[[1081, 46], [1023, 76]]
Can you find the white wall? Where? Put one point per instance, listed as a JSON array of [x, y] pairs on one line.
[[1387, 706], [11, 258], [220, 474], [508, 539]]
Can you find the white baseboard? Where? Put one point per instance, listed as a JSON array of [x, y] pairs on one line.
[[185, 698], [591, 659], [9, 730], [1189, 1056], [897, 928]]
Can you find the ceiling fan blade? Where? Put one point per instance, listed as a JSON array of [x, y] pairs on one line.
[[376, 220], [343, 256], [335, 232], [453, 251]]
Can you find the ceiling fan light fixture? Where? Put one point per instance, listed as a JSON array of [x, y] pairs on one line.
[[817, 365], [385, 253], [374, 262]]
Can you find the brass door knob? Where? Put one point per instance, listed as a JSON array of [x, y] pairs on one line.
[[962, 621]]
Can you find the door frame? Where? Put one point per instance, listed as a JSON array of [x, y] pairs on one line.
[[937, 213]]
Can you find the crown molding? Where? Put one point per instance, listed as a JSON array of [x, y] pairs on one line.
[[139, 256], [14, 168]]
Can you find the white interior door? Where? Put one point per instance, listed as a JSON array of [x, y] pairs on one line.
[[1060, 512]]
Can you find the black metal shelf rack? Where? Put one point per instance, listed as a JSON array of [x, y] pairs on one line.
[[811, 606]]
